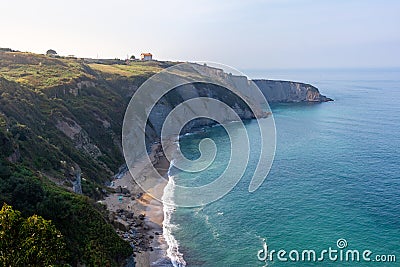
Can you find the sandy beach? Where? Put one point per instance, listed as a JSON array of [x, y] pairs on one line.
[[138, 215]]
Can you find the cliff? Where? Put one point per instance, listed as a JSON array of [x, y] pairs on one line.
[[274, 91], [286, 91], [65, 115], [60, 129]]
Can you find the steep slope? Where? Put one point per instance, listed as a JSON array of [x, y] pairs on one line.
[[286, 91], [60, 128], [60, 131]]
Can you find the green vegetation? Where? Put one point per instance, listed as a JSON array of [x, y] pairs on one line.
[[59, 116], [39, 71], [29, 242], [51, 52], [88, 237], [135, 68]]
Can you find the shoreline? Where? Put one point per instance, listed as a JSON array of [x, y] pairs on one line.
[[137, 216]]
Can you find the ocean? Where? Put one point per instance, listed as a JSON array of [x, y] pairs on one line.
[[334, 184]]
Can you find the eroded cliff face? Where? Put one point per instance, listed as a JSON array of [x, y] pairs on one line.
[[79, 120], [245, 91], [209, 91], [287, 91], [273, 90]]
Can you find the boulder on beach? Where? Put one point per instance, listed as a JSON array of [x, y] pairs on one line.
[[121, 225], [125, 191]]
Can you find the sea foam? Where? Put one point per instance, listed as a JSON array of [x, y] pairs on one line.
[[173, 245]]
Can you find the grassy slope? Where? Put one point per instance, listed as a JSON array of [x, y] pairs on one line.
[[39, 71], [134, 69], [36, 93]]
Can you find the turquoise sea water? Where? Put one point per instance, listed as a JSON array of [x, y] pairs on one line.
[[336, 175]]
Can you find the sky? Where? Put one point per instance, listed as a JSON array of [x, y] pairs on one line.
[[245, 34]]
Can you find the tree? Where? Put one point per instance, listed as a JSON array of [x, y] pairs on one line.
[[5, 170], [28, 242], [132, 57], [51, 52], [10, 222]]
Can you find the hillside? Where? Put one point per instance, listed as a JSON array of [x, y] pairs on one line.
[[60, 138], [47, 99], [60, 122]]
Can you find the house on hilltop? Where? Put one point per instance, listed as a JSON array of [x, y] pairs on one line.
[[146, 56]]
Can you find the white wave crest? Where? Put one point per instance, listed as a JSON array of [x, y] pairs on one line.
[[173, 245]]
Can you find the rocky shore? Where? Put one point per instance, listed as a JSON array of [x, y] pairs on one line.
[[136, 215]]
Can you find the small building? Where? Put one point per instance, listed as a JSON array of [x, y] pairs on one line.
[[146, 56]]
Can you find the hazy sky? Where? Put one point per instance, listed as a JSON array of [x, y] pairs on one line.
[[244, 34]]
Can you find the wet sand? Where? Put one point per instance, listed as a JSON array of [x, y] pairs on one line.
[[142, 203]]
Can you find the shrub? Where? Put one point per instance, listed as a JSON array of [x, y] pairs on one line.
[[29, 242]]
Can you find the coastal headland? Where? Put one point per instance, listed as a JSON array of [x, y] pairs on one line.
[[60, 127]]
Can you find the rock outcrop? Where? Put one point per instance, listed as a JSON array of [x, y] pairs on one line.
[[245, 89], [287, 91]]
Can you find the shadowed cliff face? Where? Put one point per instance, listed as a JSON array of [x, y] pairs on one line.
[[286, 91], [61, 120], [245, 89], [186, 92], [274, 91], [72, 111]]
